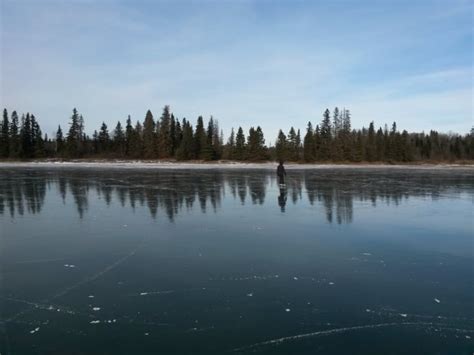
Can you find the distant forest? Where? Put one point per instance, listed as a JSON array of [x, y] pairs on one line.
[[331, 140]]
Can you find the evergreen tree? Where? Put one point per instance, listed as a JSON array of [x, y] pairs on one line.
[[345, 136], [292, 145], [370, 148], [119, 140], [308, 144], [298, 145], [326, 136], [149, 137], [95, 142], [200, 139], [75, 135], [317, 143], [136, 145], [337, 150], [178, 135], [59, 141], [128, 137], [230, 148], [379, 145], [240, 146], [26, 147], [207, 149], [173, 136], [281, 146], [14, 151], [165, 145], [5, 136], [36, 138], [186, 147], [104, 138], [256, 149]]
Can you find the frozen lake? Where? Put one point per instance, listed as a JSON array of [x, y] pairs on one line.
[[124, 261]]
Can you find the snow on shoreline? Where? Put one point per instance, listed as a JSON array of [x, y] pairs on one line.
[[140, 164]]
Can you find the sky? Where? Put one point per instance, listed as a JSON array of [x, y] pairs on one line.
[[275, 64]]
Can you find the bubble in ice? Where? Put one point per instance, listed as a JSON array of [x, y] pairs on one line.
[[437, 300], [96, 309], [287, 309]]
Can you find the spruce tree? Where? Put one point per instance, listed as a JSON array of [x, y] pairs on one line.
[[75, 135], [326, 136], [346, 139], [14, 150], [240, 147], [308, 144], [128, 137], [207, 149], [186, 149], [119, 140], [59, 141], [165, 145], [37, 140], [104, 138], [178, 135], [370, 148], [5, 136], [230, 147], [292, 145], [379, 145], [281, 147], [173, 138], [149, 137], [200, 139], [26, 146], [136, 145], [256, 149]]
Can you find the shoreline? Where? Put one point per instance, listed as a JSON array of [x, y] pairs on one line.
[[224, 165]]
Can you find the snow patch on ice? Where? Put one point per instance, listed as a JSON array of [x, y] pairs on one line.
[[158, 292], [96, 309]]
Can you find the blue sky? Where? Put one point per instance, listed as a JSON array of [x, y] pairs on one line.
[[270, 63]]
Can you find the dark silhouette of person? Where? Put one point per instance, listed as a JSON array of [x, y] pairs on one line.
[[282, 199], [281, 173]]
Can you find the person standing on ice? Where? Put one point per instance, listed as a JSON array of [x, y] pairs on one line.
[[281, 173]]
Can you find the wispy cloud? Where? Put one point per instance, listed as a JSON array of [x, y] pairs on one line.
[[245, 62]]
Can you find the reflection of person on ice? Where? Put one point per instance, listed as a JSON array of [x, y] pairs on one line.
[[281, 173]]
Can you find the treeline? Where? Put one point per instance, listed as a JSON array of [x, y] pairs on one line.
[[167, 137]]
